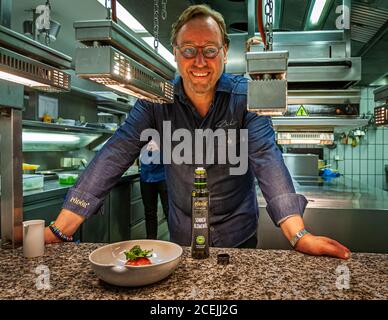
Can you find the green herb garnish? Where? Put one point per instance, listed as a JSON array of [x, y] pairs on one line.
[[136, 253]]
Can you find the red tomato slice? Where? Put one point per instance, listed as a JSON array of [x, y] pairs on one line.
[[138, 262]]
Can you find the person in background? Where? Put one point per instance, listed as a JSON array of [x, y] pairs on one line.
[[152, 184]]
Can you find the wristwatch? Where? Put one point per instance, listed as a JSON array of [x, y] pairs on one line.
[[297, 236]]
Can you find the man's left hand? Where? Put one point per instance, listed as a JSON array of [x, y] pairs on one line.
[[318, 246]]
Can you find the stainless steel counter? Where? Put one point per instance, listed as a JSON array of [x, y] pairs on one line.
[[342, 209], [338, 193], [53, 187]]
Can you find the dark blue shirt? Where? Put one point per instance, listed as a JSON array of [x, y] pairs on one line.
[[233, 200], [152, 171]]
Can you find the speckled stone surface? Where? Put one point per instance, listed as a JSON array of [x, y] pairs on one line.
[[251, 274]]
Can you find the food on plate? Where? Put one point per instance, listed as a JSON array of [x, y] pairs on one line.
[[137, 257]]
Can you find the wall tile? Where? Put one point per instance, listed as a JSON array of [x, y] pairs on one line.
[[364, 166], [372, 180], [348, 152], [363, 106], [356, 166], [371, 136], [386, 137], [379, 136], [341, 166], [379, 167], [371, 167], [365, 163], [371, 106], [363, 151], [356, 152], [364, 93], [371, 151], [364, 179], [379, 181], [348, 167], [379, 152]]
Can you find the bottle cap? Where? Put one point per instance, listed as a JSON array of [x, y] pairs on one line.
[[200, 170], [223, 258]]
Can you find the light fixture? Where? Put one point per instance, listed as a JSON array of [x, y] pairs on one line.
[[322, 138], [125, 17], [20, 69], [37, 137], [381, 111], [267, 89], [317, 10], [115, 58], [317, 14]]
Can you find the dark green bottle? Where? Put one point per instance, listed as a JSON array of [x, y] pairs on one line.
[[200, 216]]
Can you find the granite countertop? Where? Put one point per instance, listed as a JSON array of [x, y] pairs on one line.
[[252, 274]]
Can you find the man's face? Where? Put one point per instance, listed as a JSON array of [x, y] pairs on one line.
[[200, 74]]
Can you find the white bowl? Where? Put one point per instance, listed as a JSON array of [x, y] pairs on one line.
[[108, 262]]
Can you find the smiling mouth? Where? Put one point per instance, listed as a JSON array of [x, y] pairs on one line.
[[200, 74]]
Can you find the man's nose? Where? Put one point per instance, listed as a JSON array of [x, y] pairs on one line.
[[200, 59]]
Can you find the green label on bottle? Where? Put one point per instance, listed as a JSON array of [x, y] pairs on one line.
[[200, 239]]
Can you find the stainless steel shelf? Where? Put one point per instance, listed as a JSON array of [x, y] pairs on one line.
[[311, 123], [58, 127]]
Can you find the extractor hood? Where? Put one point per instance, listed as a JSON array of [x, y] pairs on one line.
[[323, 113], [32, 64], [116, 59], [317, 59]]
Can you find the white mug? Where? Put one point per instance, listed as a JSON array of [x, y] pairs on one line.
[[33, 238]]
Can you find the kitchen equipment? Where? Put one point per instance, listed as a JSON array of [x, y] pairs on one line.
[[30, 168], [301, 164], [381, 111], [33, 238], [32, 181], [108, 262], [115, 58], [67, 178]]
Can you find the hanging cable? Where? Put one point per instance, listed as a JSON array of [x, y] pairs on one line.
[[260, 24], [114, 12]]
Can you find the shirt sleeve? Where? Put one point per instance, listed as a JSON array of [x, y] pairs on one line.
[[266, 161], [109, 164]]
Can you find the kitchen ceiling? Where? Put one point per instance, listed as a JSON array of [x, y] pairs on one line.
[[369, 23], [372, 17]]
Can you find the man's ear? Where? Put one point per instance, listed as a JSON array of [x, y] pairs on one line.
[[225, 49], [174, 52]]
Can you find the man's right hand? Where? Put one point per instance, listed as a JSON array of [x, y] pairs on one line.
[[68, 222]]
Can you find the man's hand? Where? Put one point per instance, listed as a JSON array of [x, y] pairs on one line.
[[318, 246], [67, 221], [310, 244]]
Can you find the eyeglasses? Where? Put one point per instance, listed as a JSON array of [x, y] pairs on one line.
[[190, 52]]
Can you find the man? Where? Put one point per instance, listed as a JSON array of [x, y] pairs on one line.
[[204, 98], [152, 185]]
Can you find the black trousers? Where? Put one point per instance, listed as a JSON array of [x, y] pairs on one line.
[[149, 194]]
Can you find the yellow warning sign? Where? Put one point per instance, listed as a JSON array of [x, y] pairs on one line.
[[302, 112]]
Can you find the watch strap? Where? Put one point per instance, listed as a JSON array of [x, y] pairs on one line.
[[297, 236]]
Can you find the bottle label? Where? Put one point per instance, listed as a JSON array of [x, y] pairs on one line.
[[200, 207]]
